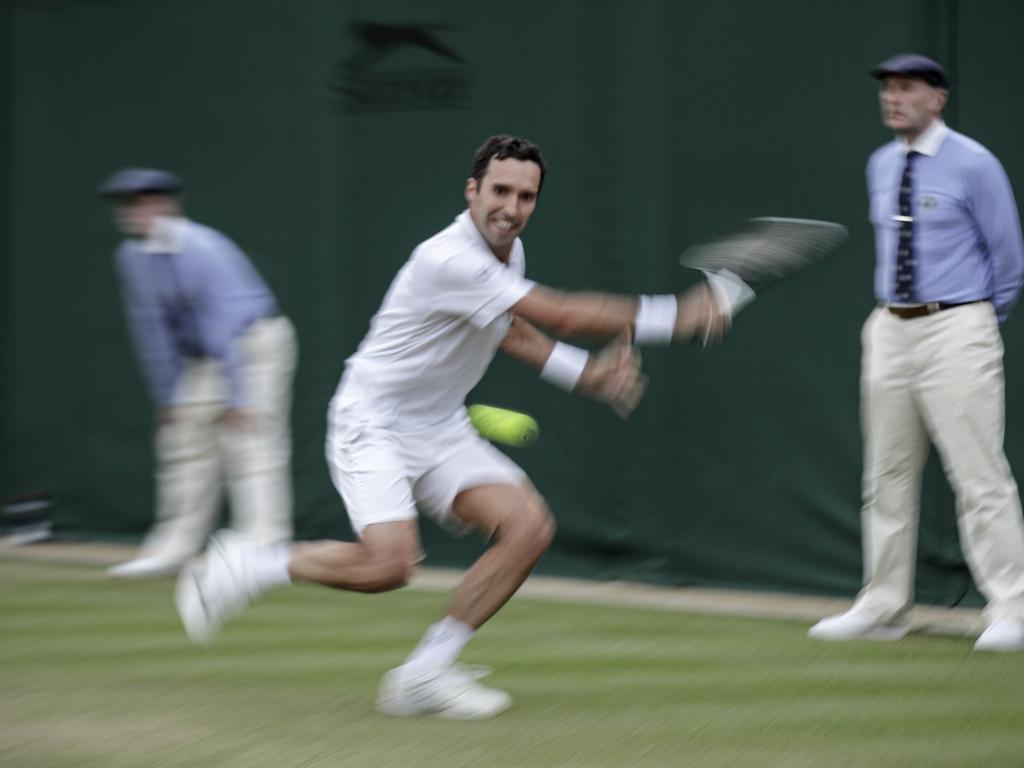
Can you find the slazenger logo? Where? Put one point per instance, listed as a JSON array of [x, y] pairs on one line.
[[401, 67]]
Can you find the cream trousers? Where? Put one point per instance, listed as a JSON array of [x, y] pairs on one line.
[[938, 377], [197, 453]]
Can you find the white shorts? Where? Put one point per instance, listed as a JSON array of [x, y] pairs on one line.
[[383, 475]]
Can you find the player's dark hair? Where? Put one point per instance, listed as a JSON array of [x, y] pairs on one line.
[[503, 147]]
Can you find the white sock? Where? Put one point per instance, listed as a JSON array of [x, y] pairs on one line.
[[270, 569], [440, 646]]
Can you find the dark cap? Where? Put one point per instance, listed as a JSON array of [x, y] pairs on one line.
[[913, 64], [134, 181]]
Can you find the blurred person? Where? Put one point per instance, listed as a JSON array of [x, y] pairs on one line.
[[950, 265], [399, 436], [219, 358]]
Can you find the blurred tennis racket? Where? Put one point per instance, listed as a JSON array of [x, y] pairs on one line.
[[744, 261]]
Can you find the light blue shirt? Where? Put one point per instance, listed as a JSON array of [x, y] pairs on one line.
[[189, 293], [967, 236]]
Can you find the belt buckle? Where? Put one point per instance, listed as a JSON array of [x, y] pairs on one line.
[[933, 307]]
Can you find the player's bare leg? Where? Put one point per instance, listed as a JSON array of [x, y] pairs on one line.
[[383, 559], [429, 682], [217, 587], [518, 521]]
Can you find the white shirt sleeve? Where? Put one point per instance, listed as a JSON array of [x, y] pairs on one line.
[[473, 285]]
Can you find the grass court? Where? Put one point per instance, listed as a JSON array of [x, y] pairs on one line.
[[98, 674]]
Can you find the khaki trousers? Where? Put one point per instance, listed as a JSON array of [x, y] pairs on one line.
[[198, 452], [938, 377]]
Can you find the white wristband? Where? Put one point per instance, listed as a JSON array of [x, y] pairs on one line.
[[656, 319], [565, 365]]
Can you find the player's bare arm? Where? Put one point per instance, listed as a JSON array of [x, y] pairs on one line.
[[612, 376], [604, 315]]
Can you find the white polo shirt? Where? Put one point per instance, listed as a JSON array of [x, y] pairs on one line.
[[436, 332]]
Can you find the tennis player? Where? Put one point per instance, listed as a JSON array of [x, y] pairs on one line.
[[399, 436]]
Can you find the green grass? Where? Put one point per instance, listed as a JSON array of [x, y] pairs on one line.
[[98, 674]]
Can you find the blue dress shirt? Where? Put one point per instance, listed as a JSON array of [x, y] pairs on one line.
[[189, 292], [967, 236]]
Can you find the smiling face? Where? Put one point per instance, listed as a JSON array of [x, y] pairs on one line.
[[502, 201], [909, 104]]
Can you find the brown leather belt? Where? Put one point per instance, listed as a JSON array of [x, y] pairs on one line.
[[922, 310]]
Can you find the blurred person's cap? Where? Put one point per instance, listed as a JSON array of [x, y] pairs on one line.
[[913, 64], [134, 181]]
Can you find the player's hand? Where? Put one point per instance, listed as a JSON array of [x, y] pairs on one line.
[[700, 318], [613, 376]]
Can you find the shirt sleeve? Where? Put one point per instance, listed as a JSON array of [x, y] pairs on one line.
[[151, 337], [995, 212], [473, 285], [870, 172]]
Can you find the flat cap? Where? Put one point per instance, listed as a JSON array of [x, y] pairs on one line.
[[913, 64], [133, 181]]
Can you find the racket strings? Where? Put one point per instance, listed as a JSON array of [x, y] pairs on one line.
[[767, 250]]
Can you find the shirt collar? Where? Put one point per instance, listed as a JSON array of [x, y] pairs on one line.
[[465, 220], [166, 235], [929, 141]]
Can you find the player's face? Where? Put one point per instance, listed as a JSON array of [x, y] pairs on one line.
[[134, 215], [909, 104], [503, 201]]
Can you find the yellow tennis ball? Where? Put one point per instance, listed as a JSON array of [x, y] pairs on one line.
[[504, 426]]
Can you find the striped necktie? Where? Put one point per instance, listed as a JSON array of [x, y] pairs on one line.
[[905, 261]]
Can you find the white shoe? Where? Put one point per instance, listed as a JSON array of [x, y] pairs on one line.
[[858, 624], [217, 587], [449, 692], [145, 568], [1006, 635]]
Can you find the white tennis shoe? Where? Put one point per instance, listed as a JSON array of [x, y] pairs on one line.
[[150, 567], [453, 693], [1002, 635], [216, 587], [857, 624]]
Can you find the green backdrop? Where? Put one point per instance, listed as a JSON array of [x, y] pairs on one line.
[[328, 138]]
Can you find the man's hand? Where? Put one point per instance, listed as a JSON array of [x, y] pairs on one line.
[[165, 416], [699, 316], [238, 418], [613, 376]]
